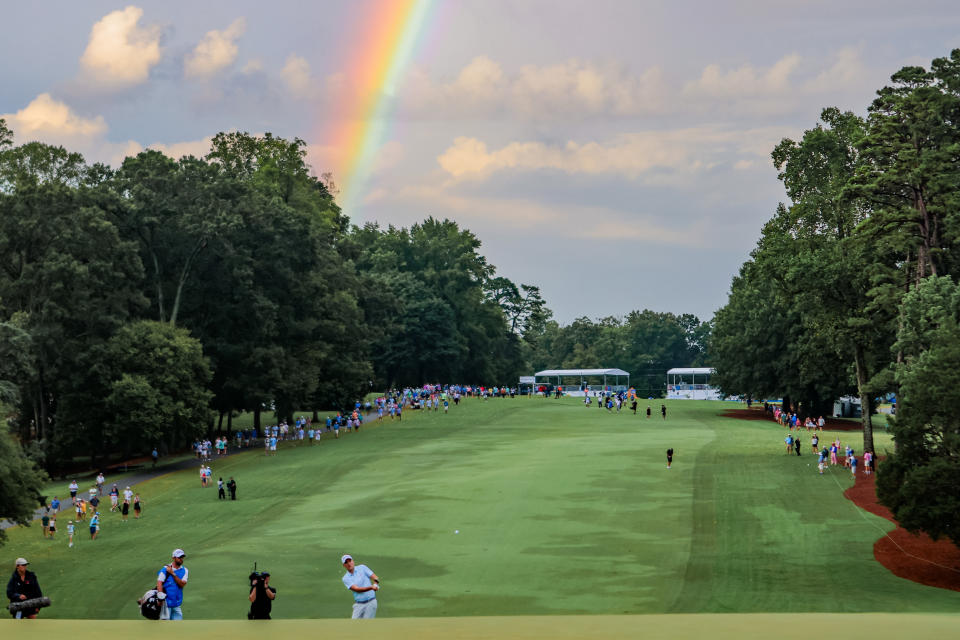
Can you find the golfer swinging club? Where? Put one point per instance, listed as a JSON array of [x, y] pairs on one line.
[[364, 583]]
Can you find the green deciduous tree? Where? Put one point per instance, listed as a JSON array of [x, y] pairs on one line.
[[65, 275], [154, 378], [21, 481]]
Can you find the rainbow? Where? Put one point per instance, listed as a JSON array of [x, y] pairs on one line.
[[378, 57]]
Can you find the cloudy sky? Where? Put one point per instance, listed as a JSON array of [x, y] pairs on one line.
[[615, 153]]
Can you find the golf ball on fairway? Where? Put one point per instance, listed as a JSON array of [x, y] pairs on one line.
[[457, 531]]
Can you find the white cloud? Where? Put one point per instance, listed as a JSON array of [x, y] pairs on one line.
[[48, 119], [631, 155], [51, 121], [574, 88], [217, 50], [296, 75], [120, 52], [253, 65], [848, 71], [491, 213], [744, 81], [176, 150], [791, 85]]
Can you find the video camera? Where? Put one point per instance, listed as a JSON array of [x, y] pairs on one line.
[[28, 605], [257, 575]]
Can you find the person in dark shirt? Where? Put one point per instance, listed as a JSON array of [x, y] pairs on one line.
[[663, 411], [262, 596], [669, 457], [23, 585], [232, 488]]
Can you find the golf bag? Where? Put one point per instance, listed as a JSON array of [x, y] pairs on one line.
[[151, 604]]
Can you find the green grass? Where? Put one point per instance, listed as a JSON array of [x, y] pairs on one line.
[[561, 510]]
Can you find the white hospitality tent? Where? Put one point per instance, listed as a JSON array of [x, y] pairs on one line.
[[692, 383], [559, 374]]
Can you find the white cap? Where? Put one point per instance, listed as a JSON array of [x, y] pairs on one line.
[[345, 557], [23, 561], [178, 553]]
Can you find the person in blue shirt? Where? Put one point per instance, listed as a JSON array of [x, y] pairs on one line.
[[95, 525], [364, 584], [55, 505], [171, 580]]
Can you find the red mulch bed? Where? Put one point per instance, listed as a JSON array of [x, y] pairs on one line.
[[759, 414], [921, 548]]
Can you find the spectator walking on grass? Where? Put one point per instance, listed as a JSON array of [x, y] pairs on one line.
[[125, 509], [95, 525], [796, 444], [669, 457]]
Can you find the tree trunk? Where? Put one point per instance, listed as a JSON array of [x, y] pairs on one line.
[[220, 424], [256, 418], [316, 416], [159, 282], [229, 422], [866, 407], [184, 275], [42, 424]]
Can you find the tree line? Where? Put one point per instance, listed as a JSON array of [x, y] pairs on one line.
[[147, 304], [852, 287]]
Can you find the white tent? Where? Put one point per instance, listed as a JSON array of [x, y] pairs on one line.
[[683, 383], [559, 374]]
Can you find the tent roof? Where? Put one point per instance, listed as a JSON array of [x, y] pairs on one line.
[[691, 371], [582, 372]]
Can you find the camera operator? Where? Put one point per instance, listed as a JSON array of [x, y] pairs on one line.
[[262, 596], [23, 585]]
